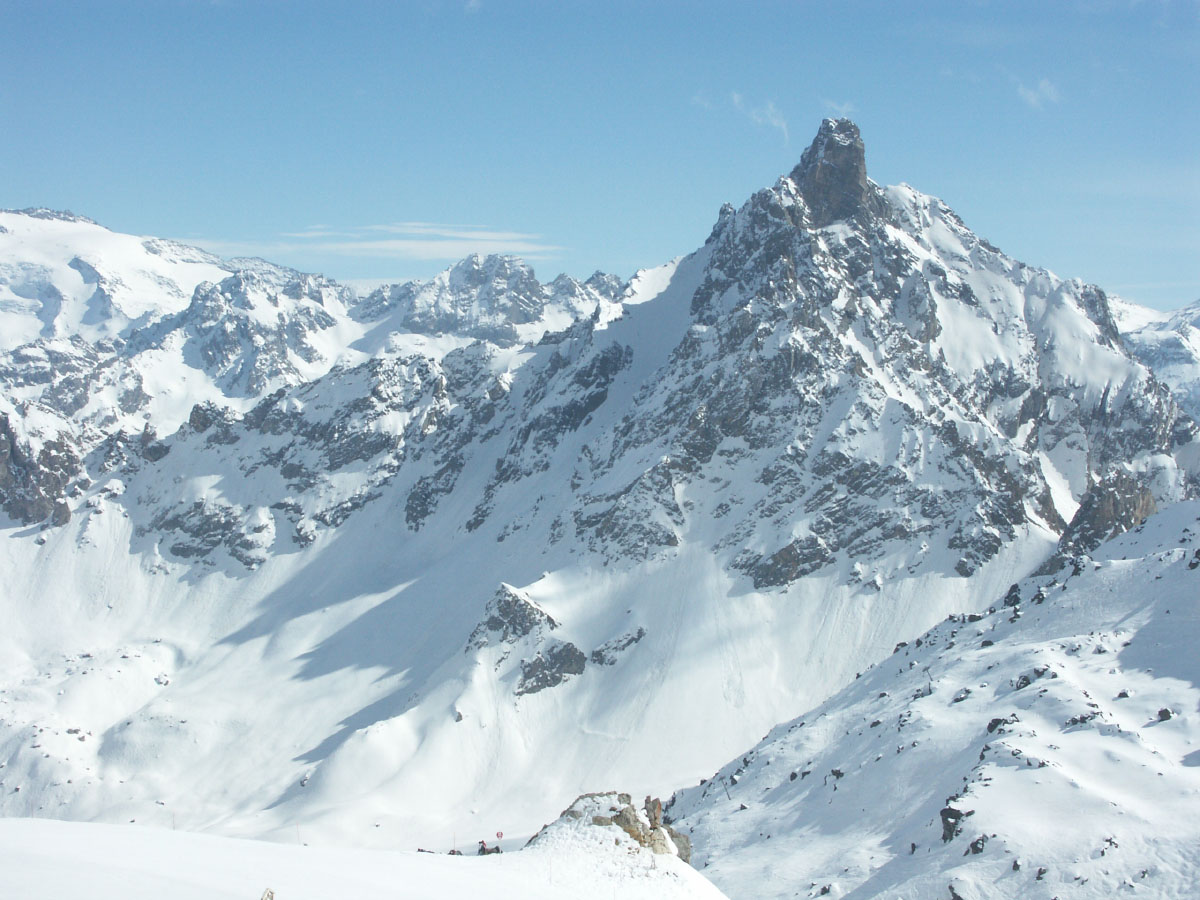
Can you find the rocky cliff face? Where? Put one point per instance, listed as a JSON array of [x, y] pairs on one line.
[[832, 177], [493, 298], [33, 483]]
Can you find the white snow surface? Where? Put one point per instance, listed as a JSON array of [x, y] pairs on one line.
[[62, 275], [49, 860], [1066, 726]]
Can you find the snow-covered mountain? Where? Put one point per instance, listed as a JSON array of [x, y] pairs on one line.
[[1044, 747], [99, 341], [1169, 343], [494, 298], [433, 561]]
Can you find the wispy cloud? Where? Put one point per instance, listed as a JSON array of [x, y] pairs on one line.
[[769, 114], [968, 76], [844, 109], [970, 35], [766, 114], [1039, 95], [473, 6], [429, 241], [458, 232], [316, 232]]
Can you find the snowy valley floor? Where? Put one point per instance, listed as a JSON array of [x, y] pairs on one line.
[[52, 860]]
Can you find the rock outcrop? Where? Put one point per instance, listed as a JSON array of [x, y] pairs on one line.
[[644, 828], [832, 176]]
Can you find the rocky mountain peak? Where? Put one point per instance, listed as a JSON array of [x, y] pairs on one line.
[[53, 215], [478, 270], [832, 175]]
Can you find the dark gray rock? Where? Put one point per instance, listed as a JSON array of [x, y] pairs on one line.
[[33, 485], [551, 667], [511, 615], [1115, 504], [607, 653], [832, 175], [952, 822]]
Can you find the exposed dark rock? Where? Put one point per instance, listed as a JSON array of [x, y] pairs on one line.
[[800, 558], [423, 498], [832, 175], [952, 822], [607, 653], [1115, 504], [552, 666], [33, 485], [647, 828], [203, 527], [511, 615]]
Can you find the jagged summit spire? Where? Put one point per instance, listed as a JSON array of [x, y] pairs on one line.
[[832, 174]]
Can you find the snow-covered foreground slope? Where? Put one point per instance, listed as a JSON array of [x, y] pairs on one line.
[[46, 860], [413, 566], [1048, 747]]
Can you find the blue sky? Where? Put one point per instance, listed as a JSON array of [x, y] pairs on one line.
[[385, 140]]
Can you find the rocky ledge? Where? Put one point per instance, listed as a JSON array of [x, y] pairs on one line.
[[644, 828]]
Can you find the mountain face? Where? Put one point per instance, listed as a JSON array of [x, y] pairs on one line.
[[1169, 344], [445, 556], [1043, 747], [495, 299]]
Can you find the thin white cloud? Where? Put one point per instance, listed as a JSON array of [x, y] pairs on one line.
[[404, 240], [842, 110], [473, 6], [313, 233], [767, 114], [1038, 96], [463, 232]]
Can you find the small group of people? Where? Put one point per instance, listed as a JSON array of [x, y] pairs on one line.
[[484, 850]]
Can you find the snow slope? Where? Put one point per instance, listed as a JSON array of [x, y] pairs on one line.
[[65, 276], [1048, 747], [46, 860]]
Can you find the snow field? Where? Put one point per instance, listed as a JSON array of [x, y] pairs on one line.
[[47, 860], [1046, 729]]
